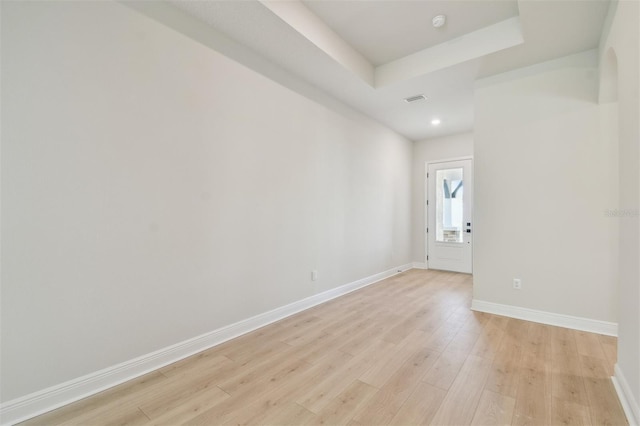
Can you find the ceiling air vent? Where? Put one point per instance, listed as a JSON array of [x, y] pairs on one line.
[[415, 98]]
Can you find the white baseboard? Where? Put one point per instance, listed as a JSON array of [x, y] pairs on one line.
[[560, 320], [40, 402], [419, 265], [630, 406]]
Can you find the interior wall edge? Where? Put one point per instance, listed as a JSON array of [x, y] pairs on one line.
[[623, 390]]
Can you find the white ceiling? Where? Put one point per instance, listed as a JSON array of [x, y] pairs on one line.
[[371, 54], [387, 30]]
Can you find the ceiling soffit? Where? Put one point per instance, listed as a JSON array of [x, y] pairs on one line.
[[475, 44]]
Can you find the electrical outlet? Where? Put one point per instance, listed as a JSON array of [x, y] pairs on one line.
[[314, 275], [517, 283]]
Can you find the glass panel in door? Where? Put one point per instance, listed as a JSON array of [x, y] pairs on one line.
[[449, 205]]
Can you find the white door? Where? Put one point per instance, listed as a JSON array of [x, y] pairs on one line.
[[449, 216]]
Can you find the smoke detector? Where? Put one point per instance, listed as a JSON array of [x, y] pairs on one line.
[[439, 21]]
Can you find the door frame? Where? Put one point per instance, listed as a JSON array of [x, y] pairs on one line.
[[425, 182]]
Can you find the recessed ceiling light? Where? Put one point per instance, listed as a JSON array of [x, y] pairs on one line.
[[439, 21], [435, 122], [415, 98]]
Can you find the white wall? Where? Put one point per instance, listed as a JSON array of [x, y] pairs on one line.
[[454, 146], [154, 190], [545, 172], [619, 57]]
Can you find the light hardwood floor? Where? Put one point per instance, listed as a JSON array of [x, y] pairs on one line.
[[403, 351]]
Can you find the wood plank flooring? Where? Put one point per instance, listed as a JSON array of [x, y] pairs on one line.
[[405, 351]]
